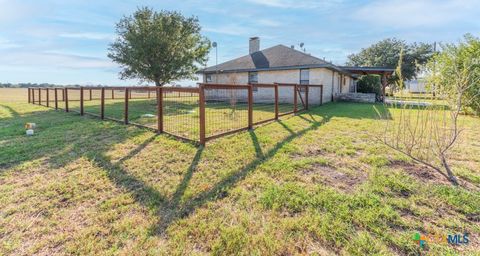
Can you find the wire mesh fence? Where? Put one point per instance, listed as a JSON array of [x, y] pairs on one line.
[[73, 98], [181, 112], [264, 102], [141, 109], [196, 114], [286, 99], [33, 96], [114, 104], [226, 109], [302, 93], [315, 95], [60, 103], [92, 101]]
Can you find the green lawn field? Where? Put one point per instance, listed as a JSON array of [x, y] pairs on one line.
[[314, 183]]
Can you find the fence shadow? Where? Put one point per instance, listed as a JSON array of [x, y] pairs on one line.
[[170, 210], [220, 190], [13, 112]]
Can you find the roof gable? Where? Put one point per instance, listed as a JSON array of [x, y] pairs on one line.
[[270, 58]]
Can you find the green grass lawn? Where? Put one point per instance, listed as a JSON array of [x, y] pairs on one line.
[[314, 183]]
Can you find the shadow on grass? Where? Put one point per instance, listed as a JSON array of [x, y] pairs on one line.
[[220, 190], [13, 113], [167, 210], [173, 209]]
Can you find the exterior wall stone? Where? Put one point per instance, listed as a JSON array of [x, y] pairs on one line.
[[356, 97], [317, 76]]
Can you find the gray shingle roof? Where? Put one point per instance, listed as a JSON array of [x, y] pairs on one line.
[[273, 58]]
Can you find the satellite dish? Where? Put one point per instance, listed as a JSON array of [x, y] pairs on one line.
[[214, 44]]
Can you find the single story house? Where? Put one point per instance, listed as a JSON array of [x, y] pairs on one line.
[[282, 64]]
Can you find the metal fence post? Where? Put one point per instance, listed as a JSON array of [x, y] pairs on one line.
[[276, 101], [126, 106], [295, 99], [113, 94], [250, 106], [28, 95], [81, 101], [55, 92], [33, 95], [201, 105], [90, 91], [306, 97], [102, 104], [159, 108], [321, 95], [65, 94], [48, 97], [39, 96]]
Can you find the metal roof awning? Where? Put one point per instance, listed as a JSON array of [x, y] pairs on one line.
[[368, 70]]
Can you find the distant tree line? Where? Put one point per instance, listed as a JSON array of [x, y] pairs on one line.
[[41, 85], [44, 85]]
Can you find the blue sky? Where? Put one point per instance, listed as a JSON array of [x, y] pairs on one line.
[[66, 41]]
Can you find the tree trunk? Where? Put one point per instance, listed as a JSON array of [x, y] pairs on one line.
[[159, 84], [451, 176]]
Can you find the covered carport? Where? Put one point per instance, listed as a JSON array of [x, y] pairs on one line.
[[385, 73]]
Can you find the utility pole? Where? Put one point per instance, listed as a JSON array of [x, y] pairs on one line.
[[215, 45], [434, 69]]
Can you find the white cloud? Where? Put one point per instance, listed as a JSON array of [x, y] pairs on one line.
[[89, 36], [230, 29], [305, 4], [7, 44], [55, 59], [407, 14], [268, 23], [14, 10]]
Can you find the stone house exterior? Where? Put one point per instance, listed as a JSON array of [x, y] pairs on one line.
[[282, 64]]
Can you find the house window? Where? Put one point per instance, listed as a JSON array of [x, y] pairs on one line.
[[304, 76], [253, 79], [208, 78]]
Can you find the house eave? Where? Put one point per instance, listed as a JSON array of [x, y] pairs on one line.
[[328, 66]]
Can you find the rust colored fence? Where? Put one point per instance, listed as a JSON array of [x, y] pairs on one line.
[[197, 114]]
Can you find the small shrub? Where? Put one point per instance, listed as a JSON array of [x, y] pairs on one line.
[[369, 84]]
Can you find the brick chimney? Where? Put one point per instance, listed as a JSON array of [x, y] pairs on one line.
[[254, 45]]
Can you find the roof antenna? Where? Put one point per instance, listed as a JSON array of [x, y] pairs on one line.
[[301, 47]]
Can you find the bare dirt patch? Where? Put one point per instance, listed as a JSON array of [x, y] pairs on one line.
[[419, 172], [426, 174], [334, 177]]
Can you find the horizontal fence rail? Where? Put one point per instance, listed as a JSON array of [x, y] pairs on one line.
[[196, 114]]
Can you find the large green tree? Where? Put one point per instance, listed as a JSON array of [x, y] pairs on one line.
[[386, 53], [159, 46], [454, 74]]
